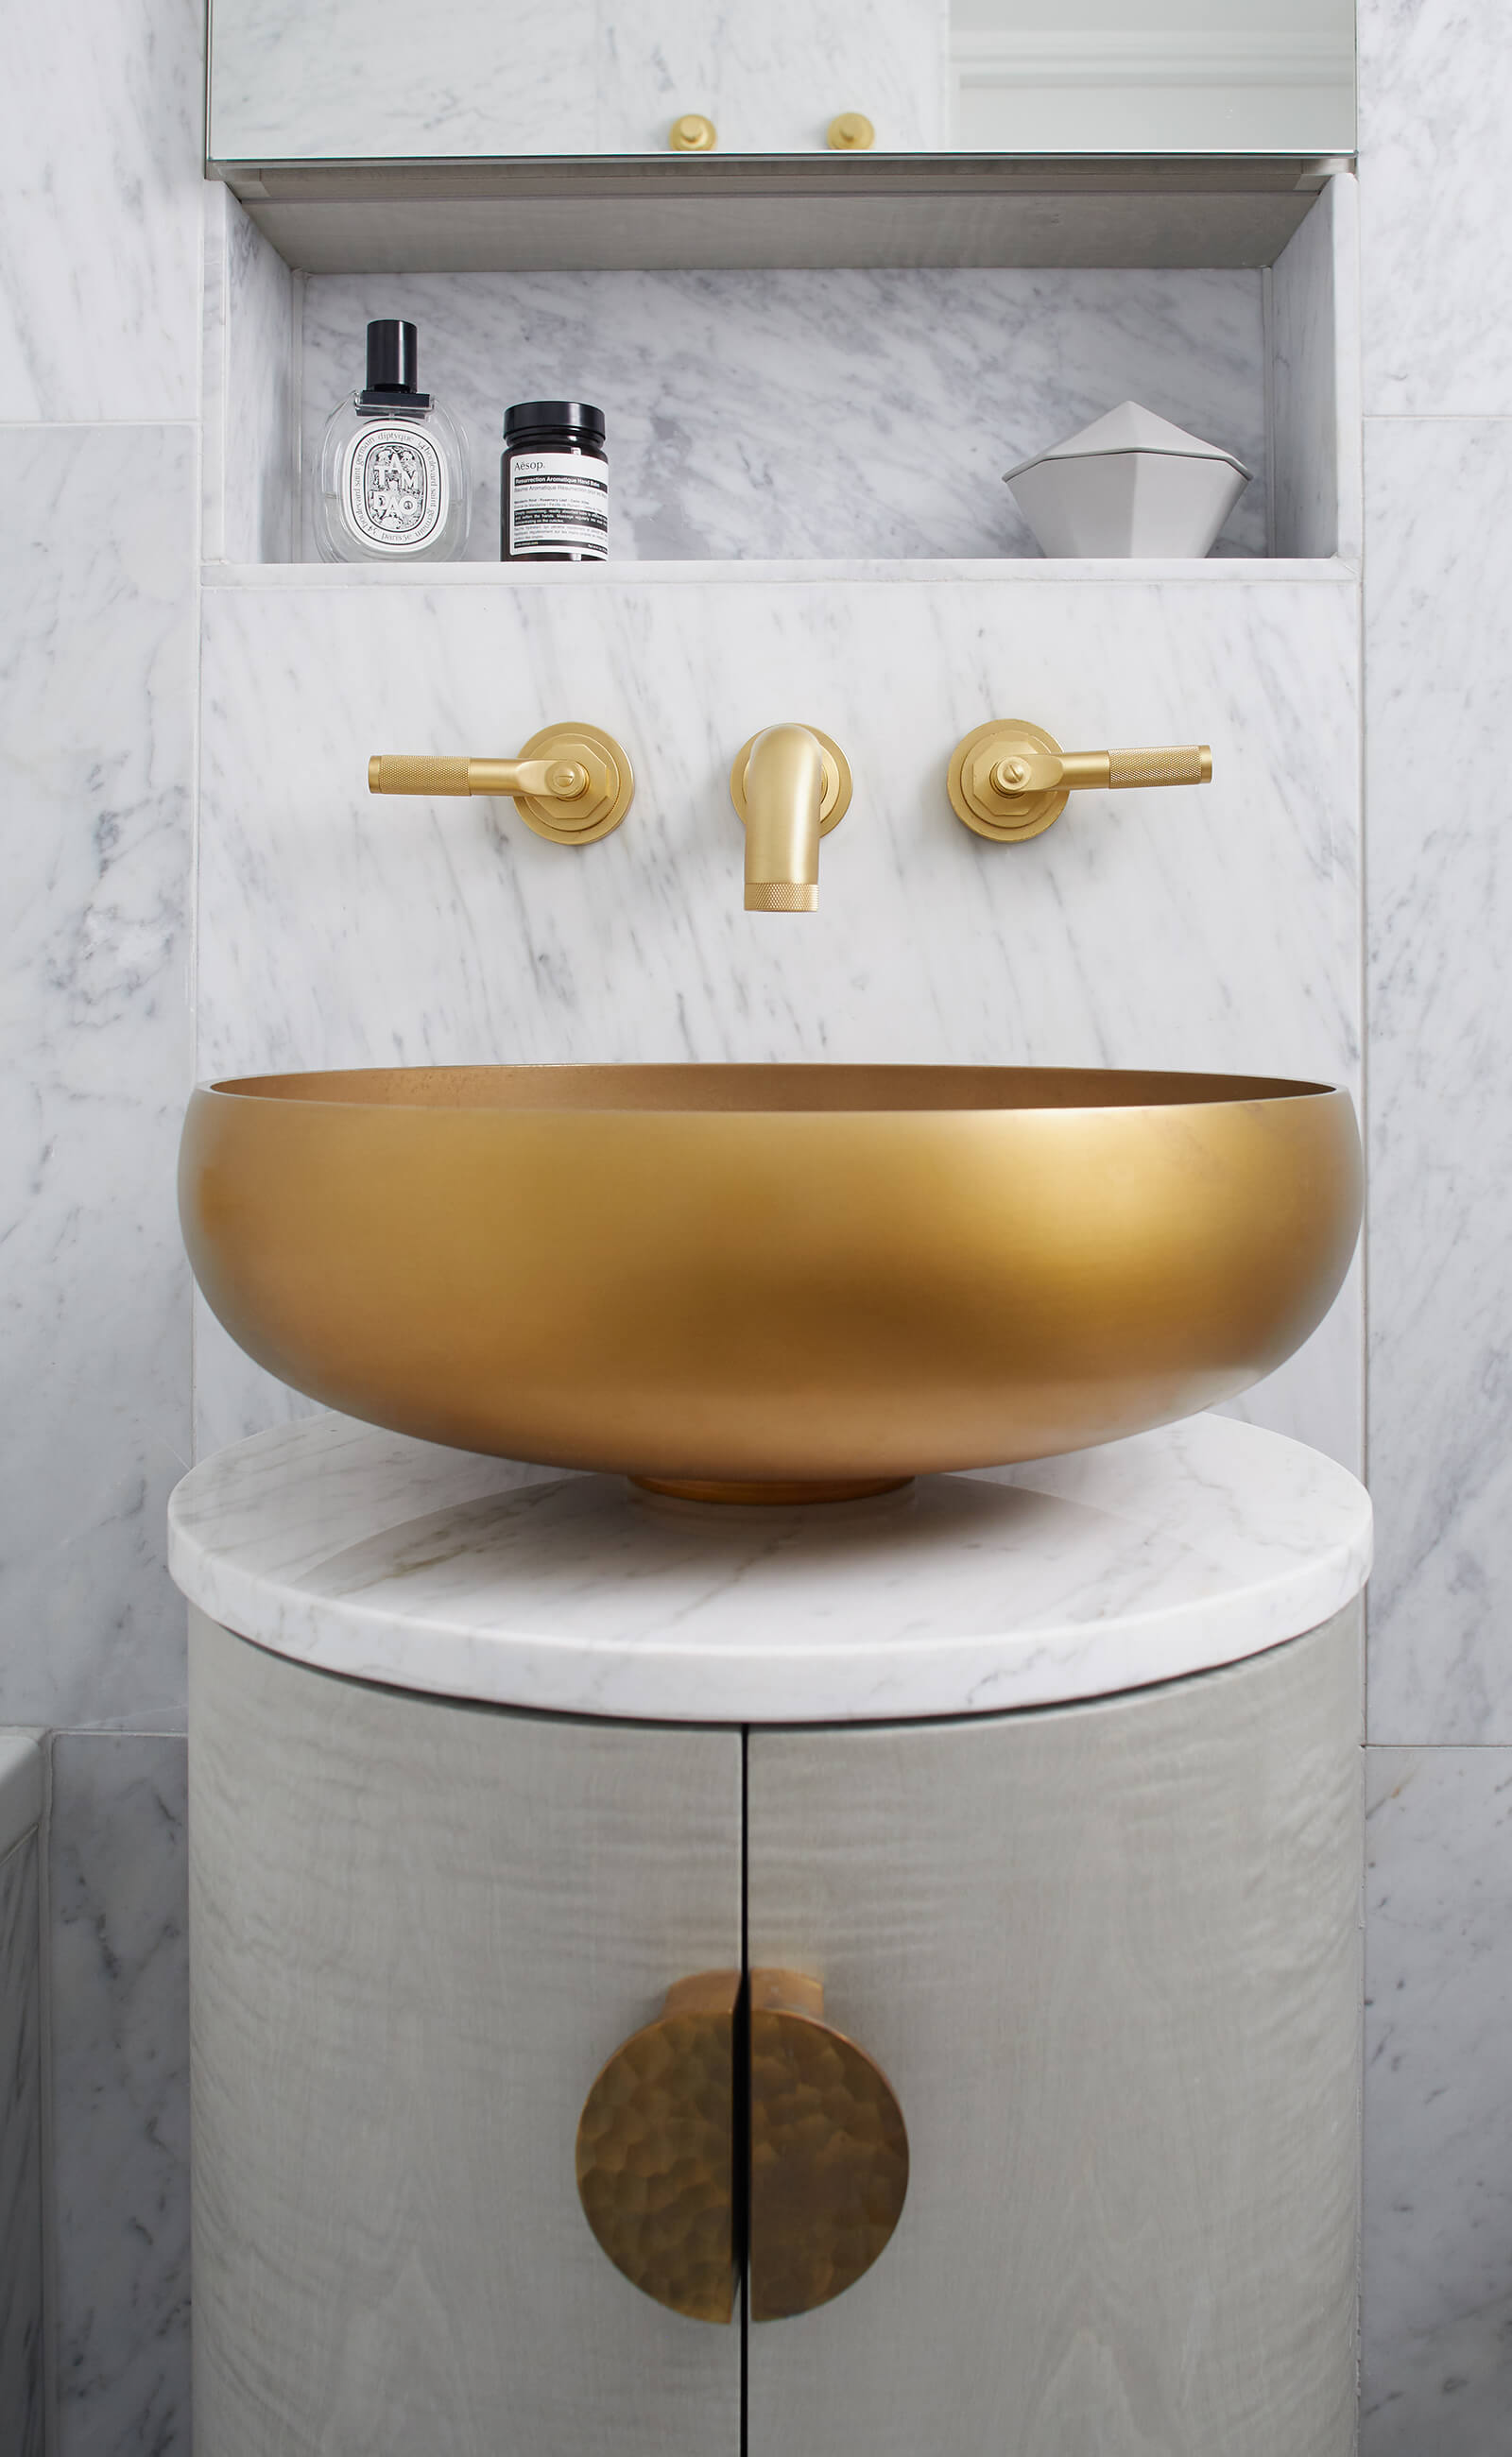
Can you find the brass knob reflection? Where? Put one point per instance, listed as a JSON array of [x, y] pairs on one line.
[[692, 133], [829, 2152], [656, 2151], [852, 132]]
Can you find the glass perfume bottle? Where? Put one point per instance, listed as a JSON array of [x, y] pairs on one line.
[[393, 484]]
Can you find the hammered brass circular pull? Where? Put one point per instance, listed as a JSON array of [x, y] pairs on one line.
[[829, 2152], [656, 2151]]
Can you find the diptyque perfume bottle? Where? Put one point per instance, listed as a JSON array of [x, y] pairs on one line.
[[393, 484]]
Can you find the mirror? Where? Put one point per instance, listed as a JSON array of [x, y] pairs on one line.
[[362, 80]]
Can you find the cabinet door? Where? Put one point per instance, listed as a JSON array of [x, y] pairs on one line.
[[1108, 1957], [419, 1930]]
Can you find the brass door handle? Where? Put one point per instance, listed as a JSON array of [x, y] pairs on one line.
[[656, 2151], [808, 2199], [829, 2152], [572, 783], [1010, 779]]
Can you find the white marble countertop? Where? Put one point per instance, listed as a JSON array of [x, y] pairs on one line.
[[391, 1560]]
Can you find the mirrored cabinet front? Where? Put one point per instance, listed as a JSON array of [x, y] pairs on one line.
[[359, 80]]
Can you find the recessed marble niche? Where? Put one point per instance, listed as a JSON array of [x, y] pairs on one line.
[[801, 415]]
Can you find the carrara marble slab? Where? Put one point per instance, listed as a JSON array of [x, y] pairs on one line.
[[1437, 2226], [101, 129], [365, 1552], [917, 389], [117, 1955], [1435, 197], [97, 667], [1439, 747]]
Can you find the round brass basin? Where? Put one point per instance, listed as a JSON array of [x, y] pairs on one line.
[[769, 1275]]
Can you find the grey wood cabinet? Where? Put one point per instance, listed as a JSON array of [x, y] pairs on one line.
[[418, 1929], [1107, 1957]]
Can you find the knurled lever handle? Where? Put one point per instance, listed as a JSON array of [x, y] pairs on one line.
[[572, 783], [1010, 779], [1178, 763], [395, 772]]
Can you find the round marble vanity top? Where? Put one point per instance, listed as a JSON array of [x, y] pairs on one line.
[[389, 1560]]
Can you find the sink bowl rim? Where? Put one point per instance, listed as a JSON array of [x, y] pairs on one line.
[[1106, 1088]]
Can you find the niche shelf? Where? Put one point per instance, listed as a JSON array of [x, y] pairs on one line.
[[776, 416], [729, 213]]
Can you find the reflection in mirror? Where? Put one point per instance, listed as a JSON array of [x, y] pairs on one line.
[[313, 80], [1155, 77]]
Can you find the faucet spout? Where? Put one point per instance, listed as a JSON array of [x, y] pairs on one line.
[[782, 792]]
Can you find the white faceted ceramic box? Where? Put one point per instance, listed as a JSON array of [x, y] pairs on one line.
[[1130, 483]]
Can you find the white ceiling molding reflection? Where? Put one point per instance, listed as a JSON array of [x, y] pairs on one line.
[[998, 59]]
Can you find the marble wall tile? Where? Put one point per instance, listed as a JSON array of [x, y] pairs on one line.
[[1216, 928], [119, 2088], [813, 414], [345, 77], [1439, 752], [1438, 2243], [97, 672], [101, 130], [1314, 382], [1436, 197], [250, 417], [21, 2365]]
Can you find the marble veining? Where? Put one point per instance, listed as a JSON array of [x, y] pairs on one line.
[[1436, 197], [1314, 382], [1439, 738], [249, 407], [1216, 927], [355, 78], [117, 1946], [797, 414], [20, 1786], [1438, 2241], [97, 664], [101, 130], [21, 2365], [369, 1554]]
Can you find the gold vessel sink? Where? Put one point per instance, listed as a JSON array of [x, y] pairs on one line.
[[796, 1281]]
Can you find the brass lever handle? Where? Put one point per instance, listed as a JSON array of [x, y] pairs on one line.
[[572, 783], [1010, 779], [665, 2183]]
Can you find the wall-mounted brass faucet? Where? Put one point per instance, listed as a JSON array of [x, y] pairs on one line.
[[572, 783], [790, 785], [1010, 779]]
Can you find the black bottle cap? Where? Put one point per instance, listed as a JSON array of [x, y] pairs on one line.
[[528, 415], [393, 356]]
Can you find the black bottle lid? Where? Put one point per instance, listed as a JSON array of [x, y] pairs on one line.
[[393, 367], [530, 417]]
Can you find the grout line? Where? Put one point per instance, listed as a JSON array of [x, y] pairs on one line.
[[88, 426], [742, 2094], [52, 2301]]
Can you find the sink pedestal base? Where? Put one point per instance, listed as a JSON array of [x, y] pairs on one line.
[[782, 1492]]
